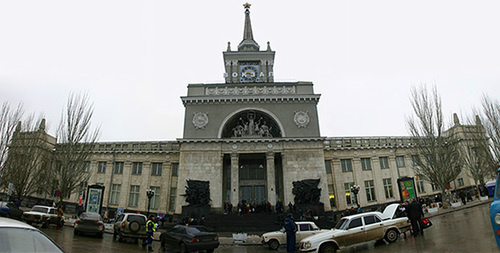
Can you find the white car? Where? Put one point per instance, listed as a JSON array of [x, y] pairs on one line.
[[44, 215], [277, 238], [358, 228], [16, 236]]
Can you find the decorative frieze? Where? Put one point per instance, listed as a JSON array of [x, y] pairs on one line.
[[250, 90]]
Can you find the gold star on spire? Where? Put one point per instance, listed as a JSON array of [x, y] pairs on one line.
[[247, 5]]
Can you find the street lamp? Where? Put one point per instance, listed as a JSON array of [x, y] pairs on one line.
[[150, 193], [355, 190]]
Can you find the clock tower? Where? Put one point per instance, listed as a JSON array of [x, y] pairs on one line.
[[248, 64], [250, 136]]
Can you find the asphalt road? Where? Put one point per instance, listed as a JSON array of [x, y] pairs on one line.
[[467, 230]]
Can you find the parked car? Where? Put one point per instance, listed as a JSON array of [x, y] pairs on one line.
[[495, 210], [16, 236], [189, 238], [130, 225], [358, 228], [10, 210], [44, 215], [89, 223], [277, 238]]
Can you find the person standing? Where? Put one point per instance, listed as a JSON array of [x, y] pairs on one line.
[[60, 219], [415, 214], [290, 229], [150, 229]]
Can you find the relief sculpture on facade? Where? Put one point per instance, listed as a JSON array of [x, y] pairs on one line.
[[306, 191], [250, 127], [197, 192]]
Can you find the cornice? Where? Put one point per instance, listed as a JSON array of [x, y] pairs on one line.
[[250, 99]]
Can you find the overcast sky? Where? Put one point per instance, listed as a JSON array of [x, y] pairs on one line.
[[136, 58]]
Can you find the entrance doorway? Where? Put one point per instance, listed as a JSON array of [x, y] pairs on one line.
[[252, 178], [253, 194]]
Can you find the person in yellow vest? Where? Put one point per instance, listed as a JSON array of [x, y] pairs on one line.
[[150, 229]]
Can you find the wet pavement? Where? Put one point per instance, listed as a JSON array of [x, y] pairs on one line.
[[462, 229]]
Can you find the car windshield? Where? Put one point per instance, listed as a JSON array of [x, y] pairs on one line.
[[194, 230], [25, 240], [341, 224], [40, 209], [90, 216]]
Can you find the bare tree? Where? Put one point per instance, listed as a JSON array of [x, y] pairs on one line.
[[439, 161], [76, 141], [491, 122], [28, 161], [9, 117]]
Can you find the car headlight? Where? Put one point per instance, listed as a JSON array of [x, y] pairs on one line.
[[497, 218], [306, 244]]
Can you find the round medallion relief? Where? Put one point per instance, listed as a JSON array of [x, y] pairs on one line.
[[200, 120], [301, 119]]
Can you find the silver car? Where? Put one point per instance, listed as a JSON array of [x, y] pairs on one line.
[[16, 236]]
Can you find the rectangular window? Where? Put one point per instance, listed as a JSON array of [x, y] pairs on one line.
[[328, 166], [101, 167], [155, 200], [414, 160], [156, 169], [133, 198], [420, 185], [118, 168], [175, 169], [346, 165], [331, 195], [115, 193], [384, 162], [173, 194], [388, 188], [349, 196], [461, 182], [434, 187], [370, 190], [366, 164], [400, 161], [137, 168], [87, 166]]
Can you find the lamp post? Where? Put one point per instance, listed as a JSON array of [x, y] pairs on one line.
[[355, 190], [150, 193]]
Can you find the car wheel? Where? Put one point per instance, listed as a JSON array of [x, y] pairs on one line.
[[134, 226], [274, 244], [114, 234], [328, 248], [183, 248], [100, 235], [391, 235], [75, 232], [210, 251]]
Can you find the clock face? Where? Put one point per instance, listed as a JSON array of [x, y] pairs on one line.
[[249, 73]]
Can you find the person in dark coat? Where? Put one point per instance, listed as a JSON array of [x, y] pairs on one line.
[[290, 229], [415, 214]]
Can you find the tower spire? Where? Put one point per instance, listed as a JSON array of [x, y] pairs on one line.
[[248, 43]]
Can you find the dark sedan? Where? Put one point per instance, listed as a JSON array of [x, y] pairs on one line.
[[189, 238], [89, 223], [10, 210]]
